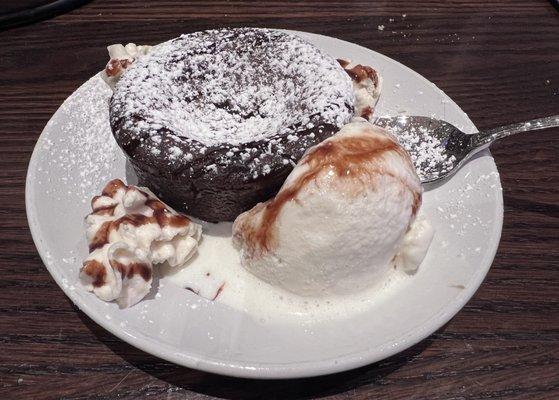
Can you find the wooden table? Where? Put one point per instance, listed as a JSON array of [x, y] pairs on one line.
[[498, 60]]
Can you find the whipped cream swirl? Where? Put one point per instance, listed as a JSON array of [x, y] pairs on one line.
[[121, 57], [129, 231], [367, 85]]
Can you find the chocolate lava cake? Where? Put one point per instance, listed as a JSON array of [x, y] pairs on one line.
[[214, 121]]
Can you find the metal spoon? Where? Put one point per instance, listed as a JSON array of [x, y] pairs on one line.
[[438, 149]]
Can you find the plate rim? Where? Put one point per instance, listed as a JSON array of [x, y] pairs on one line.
[[273, 370]]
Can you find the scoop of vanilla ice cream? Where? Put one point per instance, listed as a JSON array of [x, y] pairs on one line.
[[339, 221]]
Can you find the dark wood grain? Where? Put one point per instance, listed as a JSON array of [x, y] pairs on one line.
[[498, 60]]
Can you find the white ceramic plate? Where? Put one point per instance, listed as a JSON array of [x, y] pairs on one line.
[[76, 155]]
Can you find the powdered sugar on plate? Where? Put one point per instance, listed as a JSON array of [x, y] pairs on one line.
[[84, 144]]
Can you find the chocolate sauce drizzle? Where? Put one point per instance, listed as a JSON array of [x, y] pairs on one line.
[[128, 271], [96, 270], [160, 215], [360, 72], [115, 66]]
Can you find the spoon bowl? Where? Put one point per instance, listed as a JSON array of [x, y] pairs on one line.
[[438, 149]]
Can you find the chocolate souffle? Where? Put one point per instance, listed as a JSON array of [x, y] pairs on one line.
[[214, 121]]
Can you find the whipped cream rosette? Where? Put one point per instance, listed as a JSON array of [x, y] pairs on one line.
[[121, 57], [129, 231], [367, 85]]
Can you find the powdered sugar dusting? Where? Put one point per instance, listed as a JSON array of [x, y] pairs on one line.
[[426, 151], [232, 86], [83, 145]]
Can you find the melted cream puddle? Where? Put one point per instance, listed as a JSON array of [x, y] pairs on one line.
[[217, 265]]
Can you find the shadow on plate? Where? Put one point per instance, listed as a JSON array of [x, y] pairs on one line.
[[131, 177], [238, 388]]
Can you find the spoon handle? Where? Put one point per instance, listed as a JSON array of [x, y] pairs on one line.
[[487, 137]]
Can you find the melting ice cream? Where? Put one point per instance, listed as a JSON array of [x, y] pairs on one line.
[[346, 216]]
